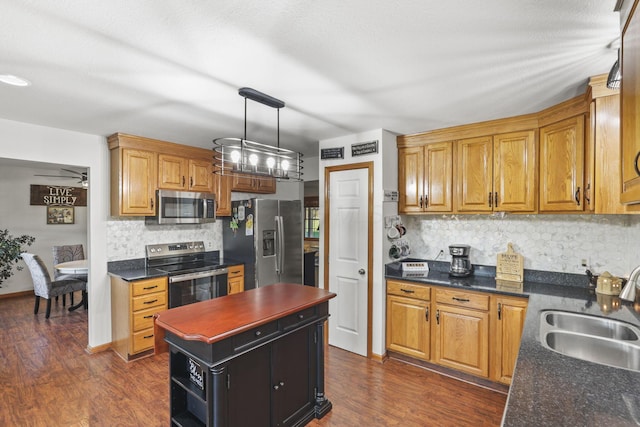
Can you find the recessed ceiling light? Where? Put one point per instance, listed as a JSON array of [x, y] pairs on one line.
[[10, 79]]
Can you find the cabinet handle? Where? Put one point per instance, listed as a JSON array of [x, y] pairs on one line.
[[150, 287], [277, 386], [407, 291], [426, 200], [191, 182], [499, 311], [420, 201], [460, 299], [490, 199], [635, 163], [495, 199], [151, 203], [228, 289], [577, 196], [587, 191], [426, 314], [183, 180], [148, 336], [300, 316], [437, 317], [258, 333], [151, 302]]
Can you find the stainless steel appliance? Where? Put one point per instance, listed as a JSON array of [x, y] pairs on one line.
[[194, 274], [460, 264], [267, 236], [183, 207]]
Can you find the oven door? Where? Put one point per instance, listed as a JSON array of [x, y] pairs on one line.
[[194, 287]]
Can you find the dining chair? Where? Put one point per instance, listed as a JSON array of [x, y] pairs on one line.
[[44, 287], [65, 253]]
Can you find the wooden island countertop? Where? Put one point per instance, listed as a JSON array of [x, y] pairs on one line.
[[220, 318]]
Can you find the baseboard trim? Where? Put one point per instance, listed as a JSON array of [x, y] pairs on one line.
[[97, 349], [381, 358], [17, 294]]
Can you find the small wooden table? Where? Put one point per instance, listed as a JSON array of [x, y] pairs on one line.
[[79, 269]]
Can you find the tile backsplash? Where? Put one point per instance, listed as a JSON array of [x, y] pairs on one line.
[[547, 242], [127, 237]]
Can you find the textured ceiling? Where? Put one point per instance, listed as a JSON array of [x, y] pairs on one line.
[[171, 69]]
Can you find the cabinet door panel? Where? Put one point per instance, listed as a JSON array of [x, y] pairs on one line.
[[291, 382], [438, 177], [474, 174], [138, 182], [172, 172], [562, 165], [201, 176], [249, 389], [630, 108], [408, 326], [410, 179], [509, 318], [462, 340], [515, 177]]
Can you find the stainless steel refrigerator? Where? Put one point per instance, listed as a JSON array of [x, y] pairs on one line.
[[267, 236]]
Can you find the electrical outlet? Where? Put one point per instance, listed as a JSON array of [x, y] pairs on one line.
[[583, 262]]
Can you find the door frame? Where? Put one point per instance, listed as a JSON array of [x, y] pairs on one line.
[[327, 225]]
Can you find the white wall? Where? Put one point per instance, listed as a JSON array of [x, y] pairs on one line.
[[384, 177], [24, 141], [19, 217]]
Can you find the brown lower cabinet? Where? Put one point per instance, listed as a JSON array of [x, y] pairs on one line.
[[473, 332]]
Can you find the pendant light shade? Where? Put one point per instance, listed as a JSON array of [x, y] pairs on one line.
[[239, 156], [614, 78]]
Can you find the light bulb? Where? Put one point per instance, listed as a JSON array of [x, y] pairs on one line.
[[285, 165], [270, 162], [253, 159], [235, 156]]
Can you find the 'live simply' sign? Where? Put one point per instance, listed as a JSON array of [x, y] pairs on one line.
[[45, 195]]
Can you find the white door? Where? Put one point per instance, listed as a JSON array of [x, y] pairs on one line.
[[348, 259]]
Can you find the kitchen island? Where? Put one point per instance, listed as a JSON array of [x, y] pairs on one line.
[[253, 358]]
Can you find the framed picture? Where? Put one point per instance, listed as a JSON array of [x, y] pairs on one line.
[[60, 215]]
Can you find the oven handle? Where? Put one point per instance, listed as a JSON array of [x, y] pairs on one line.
[[198, 275]]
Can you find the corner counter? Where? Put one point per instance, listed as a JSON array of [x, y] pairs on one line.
[[251, 358], [548, 388]]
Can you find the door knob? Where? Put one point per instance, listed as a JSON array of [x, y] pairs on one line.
[[361, 272]]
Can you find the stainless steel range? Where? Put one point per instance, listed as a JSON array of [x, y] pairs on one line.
[[194, 274]]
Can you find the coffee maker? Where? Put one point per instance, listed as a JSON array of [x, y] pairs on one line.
[[460, 264]]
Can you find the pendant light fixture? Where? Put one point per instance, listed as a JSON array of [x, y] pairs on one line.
[[614, 77], [239, 156]]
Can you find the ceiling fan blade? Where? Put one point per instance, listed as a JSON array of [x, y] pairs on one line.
[[72, 171], [58, 176]]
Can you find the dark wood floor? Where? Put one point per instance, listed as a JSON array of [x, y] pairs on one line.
[[48, 379]]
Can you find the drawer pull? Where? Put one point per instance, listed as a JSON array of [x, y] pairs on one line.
[[408, 291], [148, 317], [300, 316], [258, 333], [460, 299], [148, 336], [150, 287], [151, 302]]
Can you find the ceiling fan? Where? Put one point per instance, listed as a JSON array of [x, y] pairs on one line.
[[80, 176]]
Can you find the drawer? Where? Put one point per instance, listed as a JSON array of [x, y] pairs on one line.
[[298, 318], [255, 335], [236, 271], [159, 299], [142, 341], [143, 287], [143, 319], [462, 299], [409, 290]]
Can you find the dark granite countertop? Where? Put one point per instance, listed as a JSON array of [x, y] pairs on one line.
[[548, 388], [135, 269]]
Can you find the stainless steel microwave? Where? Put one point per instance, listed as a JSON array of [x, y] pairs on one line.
[[183, 207]]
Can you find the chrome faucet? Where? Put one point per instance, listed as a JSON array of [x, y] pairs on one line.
[[629, 291]]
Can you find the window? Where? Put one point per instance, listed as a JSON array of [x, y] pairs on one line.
[[311, 218]]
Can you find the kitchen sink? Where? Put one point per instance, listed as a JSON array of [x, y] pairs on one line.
[[591, 325], [594, 339]]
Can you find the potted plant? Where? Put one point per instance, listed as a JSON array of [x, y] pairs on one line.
[[10, 250]]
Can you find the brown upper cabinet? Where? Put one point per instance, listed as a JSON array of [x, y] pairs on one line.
[[427, 175], [140, 166], [630, 102], [250, 184], [498, 173], [562, 166], [179, 173]]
